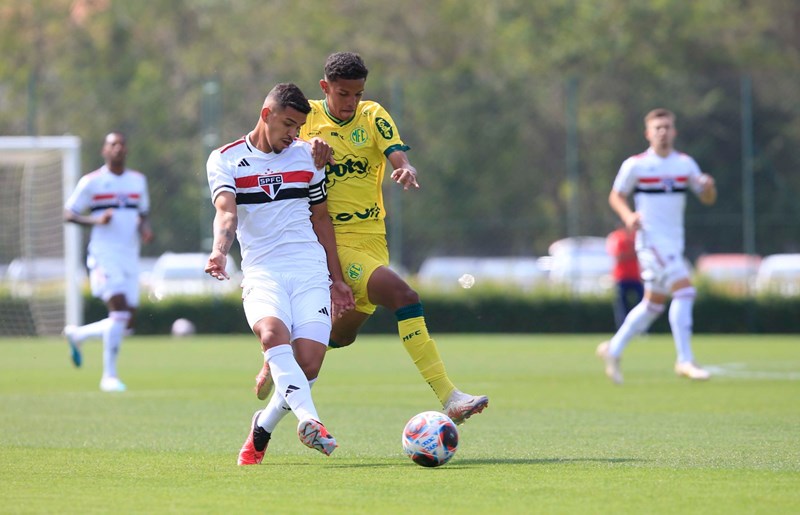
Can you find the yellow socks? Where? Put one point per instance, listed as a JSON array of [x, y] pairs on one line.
[[422, 349]]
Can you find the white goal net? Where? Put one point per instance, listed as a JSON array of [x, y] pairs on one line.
[[41, 269]]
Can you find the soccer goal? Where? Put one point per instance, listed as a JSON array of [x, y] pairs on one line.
[[40, 256]]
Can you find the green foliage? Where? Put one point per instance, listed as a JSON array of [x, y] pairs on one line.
[[488, 311], [220, 315], [478, 90]]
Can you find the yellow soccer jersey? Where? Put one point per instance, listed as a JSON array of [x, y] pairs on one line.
[[360, 146]]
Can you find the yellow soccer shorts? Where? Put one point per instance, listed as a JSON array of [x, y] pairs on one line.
[[360, 255]]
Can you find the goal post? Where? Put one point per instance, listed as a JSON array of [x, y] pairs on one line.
[[42, 280]]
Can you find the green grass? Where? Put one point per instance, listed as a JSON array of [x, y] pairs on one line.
[[557, 437]]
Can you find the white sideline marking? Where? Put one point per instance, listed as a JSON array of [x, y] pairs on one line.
[[739, 371]]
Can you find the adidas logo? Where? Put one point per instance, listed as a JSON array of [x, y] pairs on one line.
[[324, 311], [291, 388], [243, 162]]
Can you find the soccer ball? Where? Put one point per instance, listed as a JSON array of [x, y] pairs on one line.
[[467, 281], [182, 327], [430, 439]]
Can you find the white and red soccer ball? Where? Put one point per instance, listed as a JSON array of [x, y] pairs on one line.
[[430, 439]]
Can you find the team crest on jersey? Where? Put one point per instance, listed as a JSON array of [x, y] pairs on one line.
[[384, 127], [358, 136], [669, 184], [354, 271], [270, 184], [122, 199]]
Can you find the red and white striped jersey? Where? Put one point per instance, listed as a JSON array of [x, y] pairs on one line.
[[659, 186], [127, 195], [273, 194]]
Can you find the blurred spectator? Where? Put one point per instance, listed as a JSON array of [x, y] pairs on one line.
[[621, 245]]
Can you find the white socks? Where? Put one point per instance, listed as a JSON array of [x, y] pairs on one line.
[[276, 409], [638, 321], [645, 313], [113, 332], [93, 330], [291, 384], [680, 321]]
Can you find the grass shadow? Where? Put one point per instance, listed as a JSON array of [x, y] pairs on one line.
[[466, 463]]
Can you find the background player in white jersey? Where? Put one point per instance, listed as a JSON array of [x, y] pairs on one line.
[[659, 179], [117, 201], [268, 192]]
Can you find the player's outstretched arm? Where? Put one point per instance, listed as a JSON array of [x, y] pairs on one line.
[[403, 173], [225, 222]]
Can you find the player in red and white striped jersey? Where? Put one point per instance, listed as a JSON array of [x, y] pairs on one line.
[[659, 179], [268, 192], [117, 202]]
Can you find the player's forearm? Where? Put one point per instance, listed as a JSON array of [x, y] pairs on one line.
[[334, 266], [327, 238], [399, 159], [224, 231], [75, 218], [619, 203], [145, 229]]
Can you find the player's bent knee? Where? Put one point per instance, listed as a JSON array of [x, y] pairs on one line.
[[403, 298], [338, 343], [411, 297], [310, 368]]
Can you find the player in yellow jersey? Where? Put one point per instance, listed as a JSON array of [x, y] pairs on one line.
[[362, 136]]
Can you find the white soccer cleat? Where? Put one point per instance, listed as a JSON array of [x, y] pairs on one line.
[[314, 436], [612, 363], [460, 406], [692, 371], [112, 384]]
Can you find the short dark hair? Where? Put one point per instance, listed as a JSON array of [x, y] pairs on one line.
[[345, 65], [287, 94]]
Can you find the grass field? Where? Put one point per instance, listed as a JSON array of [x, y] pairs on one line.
[[557, 437]]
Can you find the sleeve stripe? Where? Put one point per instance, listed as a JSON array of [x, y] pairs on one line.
[[317, 192], [220, 189], [394, 148]]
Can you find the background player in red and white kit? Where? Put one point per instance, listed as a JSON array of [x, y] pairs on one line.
[[268, 192], [117, 201], [659, 179], [621, 245]]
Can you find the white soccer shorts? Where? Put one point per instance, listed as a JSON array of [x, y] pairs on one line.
[[662, 266], [301, 301], [109, 277]]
